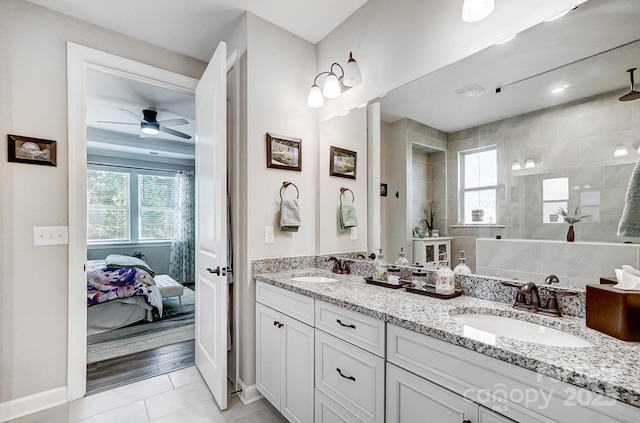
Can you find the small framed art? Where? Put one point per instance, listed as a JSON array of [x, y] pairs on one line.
[[284, 152], [31, 150], [342, 162]]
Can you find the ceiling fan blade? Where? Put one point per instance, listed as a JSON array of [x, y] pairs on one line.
[[173, 122], [119, 123], [132, 114], [176, 133]]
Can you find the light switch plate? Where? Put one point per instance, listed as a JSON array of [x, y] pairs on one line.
[[269, 237], [50, 235], [354, 233]]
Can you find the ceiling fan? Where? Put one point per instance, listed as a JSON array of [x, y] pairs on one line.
[[150, 125]]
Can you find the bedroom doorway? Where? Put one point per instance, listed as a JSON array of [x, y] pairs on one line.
[[80, 164]]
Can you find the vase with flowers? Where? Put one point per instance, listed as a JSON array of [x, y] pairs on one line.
[[571, 220], [431, 214]]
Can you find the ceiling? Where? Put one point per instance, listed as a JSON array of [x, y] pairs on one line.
[[194, 27], [577, 52]]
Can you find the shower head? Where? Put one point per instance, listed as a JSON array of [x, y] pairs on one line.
[[633, 94]]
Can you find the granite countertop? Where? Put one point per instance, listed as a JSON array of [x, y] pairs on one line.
[[611, 367]]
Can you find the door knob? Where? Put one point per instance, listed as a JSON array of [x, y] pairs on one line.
[[216, 270]]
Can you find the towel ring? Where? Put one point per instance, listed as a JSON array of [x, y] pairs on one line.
[[343, 190], [286, 185]]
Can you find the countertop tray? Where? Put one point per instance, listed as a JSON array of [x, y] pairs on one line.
[[403, 283], [431, 292]]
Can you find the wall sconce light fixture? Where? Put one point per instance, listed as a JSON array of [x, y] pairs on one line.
[[477, 10], [620, 151], [529, 164], [334, 85], [516, 165]]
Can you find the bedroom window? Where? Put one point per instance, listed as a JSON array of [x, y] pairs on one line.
[[107, 206], [155, 207], [129, 206]]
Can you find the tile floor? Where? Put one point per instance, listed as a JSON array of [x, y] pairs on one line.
[[176, 397]]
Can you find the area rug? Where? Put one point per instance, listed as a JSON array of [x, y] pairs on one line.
[[175, 326]]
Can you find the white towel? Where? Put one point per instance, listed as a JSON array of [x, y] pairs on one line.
[[630, 221], [289, 215]]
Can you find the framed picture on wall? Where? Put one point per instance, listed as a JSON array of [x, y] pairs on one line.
[[342, 162], [284, 152], [31, 150]]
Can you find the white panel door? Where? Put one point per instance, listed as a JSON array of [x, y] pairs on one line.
[[211, 226]]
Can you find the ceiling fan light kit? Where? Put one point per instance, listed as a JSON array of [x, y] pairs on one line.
[[150, 125], [633, 94], [477, 10]]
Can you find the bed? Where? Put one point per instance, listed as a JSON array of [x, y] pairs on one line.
[[120, 291]]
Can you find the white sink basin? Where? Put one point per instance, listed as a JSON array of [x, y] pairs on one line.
[[314, 279], [485, 328]]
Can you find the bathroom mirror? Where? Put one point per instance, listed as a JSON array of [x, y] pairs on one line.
[[563, 142]]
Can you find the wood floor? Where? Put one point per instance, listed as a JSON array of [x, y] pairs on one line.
[[114, 372]]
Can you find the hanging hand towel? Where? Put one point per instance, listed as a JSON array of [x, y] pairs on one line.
[[630, 221], [289, 215], [348, 218]]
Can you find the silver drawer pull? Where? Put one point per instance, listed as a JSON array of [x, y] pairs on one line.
[[346, 326], [346, 377]]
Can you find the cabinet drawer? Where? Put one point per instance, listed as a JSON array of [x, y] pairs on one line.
[[363, 331], [351, 376], [292, 304], [328, 411]]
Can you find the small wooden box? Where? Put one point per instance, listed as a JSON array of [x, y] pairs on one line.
[[613, 311]]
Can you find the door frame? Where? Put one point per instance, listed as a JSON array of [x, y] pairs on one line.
[[80, 59]]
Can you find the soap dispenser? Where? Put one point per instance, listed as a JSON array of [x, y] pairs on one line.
[[462, 267], [380, 271], [445, 281], [402, 259]]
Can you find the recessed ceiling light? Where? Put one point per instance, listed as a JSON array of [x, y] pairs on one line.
[[559, 89], [473, 90], [559, 15], [506, 40]]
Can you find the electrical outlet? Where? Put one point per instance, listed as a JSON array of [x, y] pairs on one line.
[[354, 233], [269, 237], [50, 235]]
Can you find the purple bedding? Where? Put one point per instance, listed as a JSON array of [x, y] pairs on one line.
[[107, 284]]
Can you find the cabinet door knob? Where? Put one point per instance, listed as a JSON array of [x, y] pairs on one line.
[[346, 326], [275, 323], [280, 325], [467, 421], [346, 377]]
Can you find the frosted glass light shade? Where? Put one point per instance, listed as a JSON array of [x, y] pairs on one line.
[[149, 128], [476, 10], [352, 75], [620, 151], [516, 165], [315, 98], [529, 164], [331, 87]]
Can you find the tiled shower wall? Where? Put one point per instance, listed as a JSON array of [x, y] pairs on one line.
[[575, 264], [574, 140]]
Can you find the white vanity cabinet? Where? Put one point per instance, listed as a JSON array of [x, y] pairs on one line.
[[431, 252], [285, 352], [350, 366], [423, 369]]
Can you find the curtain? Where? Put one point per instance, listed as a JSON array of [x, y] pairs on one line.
[[182, 263]]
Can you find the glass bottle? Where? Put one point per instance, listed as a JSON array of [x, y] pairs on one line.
[[445, 281], [402, 259], [380, 272], [462, 267]]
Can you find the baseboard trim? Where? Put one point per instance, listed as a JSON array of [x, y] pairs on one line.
[[32, 404], [249, 394]]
